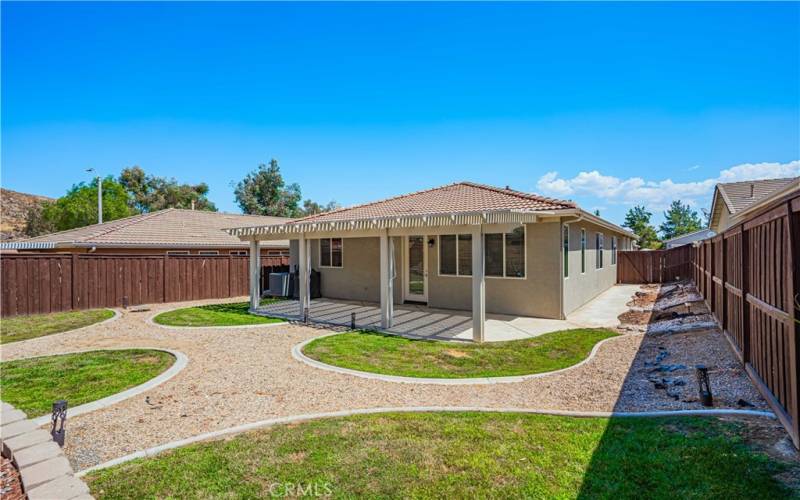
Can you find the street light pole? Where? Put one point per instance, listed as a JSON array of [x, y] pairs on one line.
[[99, 197]]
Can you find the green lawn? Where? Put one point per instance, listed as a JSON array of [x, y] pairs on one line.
[[392, 355], [233, 314], [461, 455], [18, 328], [33, 384]]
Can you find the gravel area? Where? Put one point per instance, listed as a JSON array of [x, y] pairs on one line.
[[236, 376]]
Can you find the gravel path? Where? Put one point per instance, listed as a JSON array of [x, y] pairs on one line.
[[237, 376]]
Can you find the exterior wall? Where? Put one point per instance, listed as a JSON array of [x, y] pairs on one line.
[[359, 276], [535, 295], [724, 220], [580, 288]]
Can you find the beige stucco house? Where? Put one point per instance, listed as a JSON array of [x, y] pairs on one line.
[[463, 246], [732, 201]]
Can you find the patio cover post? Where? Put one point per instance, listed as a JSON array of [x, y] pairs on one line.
[[387, 299], [305, 263], [478, 286], [255, 274]]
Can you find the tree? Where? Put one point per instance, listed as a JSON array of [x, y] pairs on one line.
[[149, 193], [264, 192], [679, 219], [638, 220], [78, 208], [312, 207]]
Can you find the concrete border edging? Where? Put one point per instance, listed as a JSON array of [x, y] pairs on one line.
[[45, 472], [156, 450], [297, 353], [181, 360]]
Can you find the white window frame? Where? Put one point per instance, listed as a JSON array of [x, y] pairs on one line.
[[614, 244], [583, 250], [524, 255], [241, 253], [599, 243], [439, 256], [208, 252], [177, 252], [319, 251], [565, 255]]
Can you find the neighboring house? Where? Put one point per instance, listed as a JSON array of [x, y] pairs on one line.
[[733, 200], [460, 246], [172, 231], [687, 239]]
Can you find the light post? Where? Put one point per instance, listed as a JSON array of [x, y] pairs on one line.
[[99, 197]]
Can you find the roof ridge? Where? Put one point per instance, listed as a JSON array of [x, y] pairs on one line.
[[758, 180], [226, 213]]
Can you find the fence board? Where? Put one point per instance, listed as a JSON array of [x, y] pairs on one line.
[[34, 284]]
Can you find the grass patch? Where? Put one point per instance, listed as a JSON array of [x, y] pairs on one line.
[[19, 328], [33, 384], [392, 355], [461, 455], [233, 314]]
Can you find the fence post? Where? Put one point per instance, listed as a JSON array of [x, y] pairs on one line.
[[75, 299], [230, 273], [745, 253], [793, 242], [164, 274], [724, 278]]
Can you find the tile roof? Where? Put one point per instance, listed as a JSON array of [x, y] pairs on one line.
[[170, 227], [740, 195], [461, 197]]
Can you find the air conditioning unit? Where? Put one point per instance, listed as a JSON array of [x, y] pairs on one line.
[[279, 284]]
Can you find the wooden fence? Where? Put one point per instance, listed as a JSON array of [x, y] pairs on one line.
[[748, 277], [33, 284], [654, 266]]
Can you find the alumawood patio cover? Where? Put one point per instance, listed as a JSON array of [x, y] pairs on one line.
[[466, 207]]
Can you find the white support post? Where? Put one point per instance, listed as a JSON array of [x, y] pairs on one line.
[[305, 258], [255, 274], [386, 280], [478, 286]]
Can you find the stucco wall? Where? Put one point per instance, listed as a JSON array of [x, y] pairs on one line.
[[580, 288], [536, 295]]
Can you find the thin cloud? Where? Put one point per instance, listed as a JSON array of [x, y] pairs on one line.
[[657, 194]]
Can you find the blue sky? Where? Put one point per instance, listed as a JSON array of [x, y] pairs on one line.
[[606, 104]]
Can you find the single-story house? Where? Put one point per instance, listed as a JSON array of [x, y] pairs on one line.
[[732, 201], [689, 238], [172, 231], [461, 246]]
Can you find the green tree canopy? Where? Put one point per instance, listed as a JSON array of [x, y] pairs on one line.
[[638, 220], [678, 220], [149, 193], [312, 207], [78, 208], [264, 192]]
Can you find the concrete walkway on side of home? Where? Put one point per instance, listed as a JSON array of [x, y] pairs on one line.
[[415, 321]]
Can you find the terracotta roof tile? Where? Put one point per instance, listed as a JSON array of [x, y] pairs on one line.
[[170, 227], [452, 198]]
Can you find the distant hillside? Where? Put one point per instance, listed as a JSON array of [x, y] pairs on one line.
[[14, 208]]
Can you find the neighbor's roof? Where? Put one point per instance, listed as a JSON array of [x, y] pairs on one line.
[[168, 228], [454, 204], [739, 196], [700, 234]]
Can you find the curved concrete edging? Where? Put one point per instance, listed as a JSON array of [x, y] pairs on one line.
[[297, 353], [181, 360], [150, 452], [151, 321]]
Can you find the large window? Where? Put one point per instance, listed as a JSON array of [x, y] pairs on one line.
[[330, 252], [455, 255], [613, 250], [583, 251], [505, 254], [565, 245], [598, 245]]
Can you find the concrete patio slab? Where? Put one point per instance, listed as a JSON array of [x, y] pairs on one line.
[[417, 321]]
